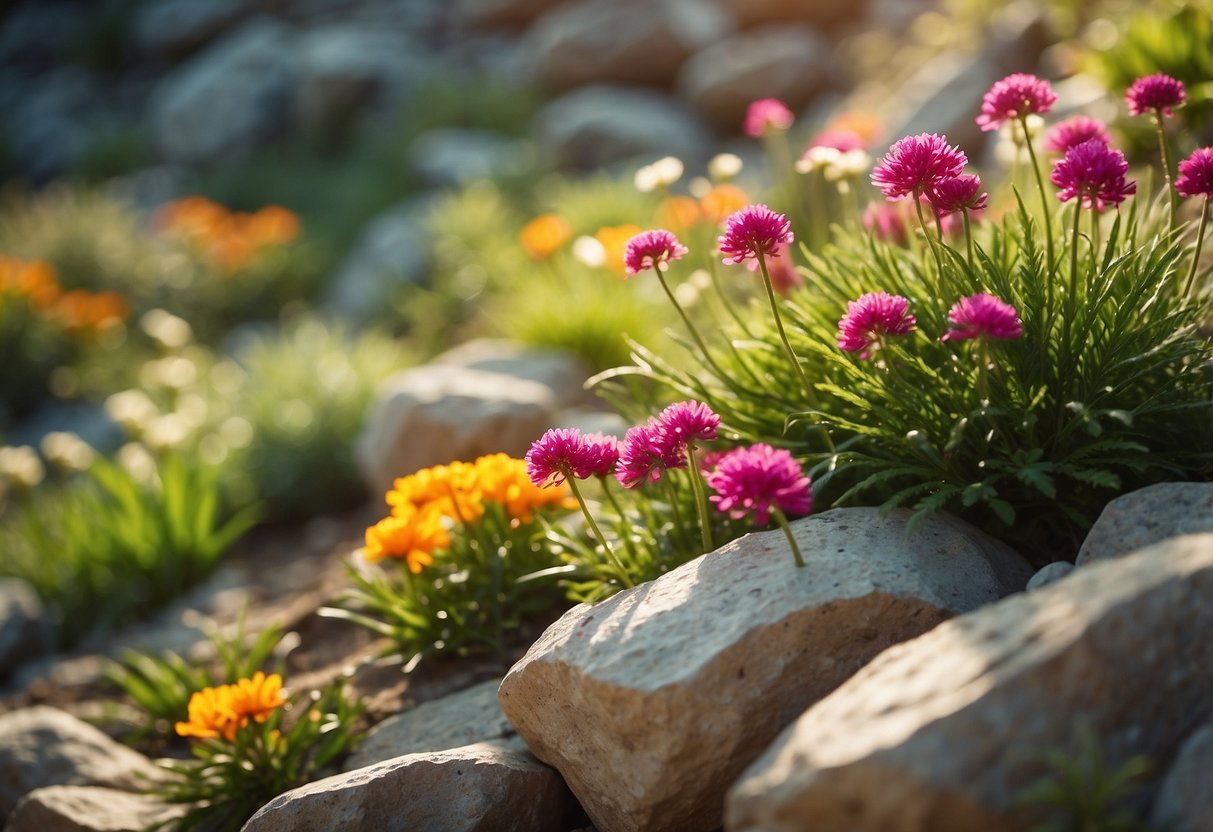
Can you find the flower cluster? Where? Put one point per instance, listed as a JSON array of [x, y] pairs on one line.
[[1074, 131], [231, 240], [1196, 174], [916, 164], [871, 317], [752, 232], [983, 316], [223, 710], [1155, 93], [79, 312], [649, 249], [1014, 97], [766, 116], [1093, 173], [757, 479]]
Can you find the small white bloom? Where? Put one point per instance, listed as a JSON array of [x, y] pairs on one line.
[[21, 466], [132, 409], [589, 251], [67, 451], [166, 329], [724, 166], [660, 174]]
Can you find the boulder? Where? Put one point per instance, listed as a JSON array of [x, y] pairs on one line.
[[476, 788], [944, 733], [1185, 800], [790, 62], [25, 630], [173, 28], [821, 13], [1146, 516], [603, 123], [652, 702], [1050, 573], [229, 98], [478, 13], [44, 746], [453, 156], [88, 809], [558, 370], [464, 718]]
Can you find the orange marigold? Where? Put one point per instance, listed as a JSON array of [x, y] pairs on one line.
[[223, 710], [678, 212], [410, 536], [543, 236], [36, 280], [451, 490], [503, 479]]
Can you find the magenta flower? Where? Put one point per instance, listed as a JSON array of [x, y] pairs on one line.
[[648, 249], [957, 193], [646, 452], [872, 316], [841, 140], [1015, 96], [766, 115], [757, 478], [752, 232], [687, 422], [1196, 174], [916, 163], [559, 454], [886, 222], [1155, 93], [982, 316], [1094, 173], [601, 454], [1074, 131]]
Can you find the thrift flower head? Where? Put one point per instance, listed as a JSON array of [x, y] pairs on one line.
[[686, 422], [602, 452], [557, 455], [646, 452], [1013, 97], [982, 316], [224, 709], [871, 316], [958, 193], [1196, 173], [1155, 93], [1094, 173], [648, 249], [1074, 131], [916, 163], [754, 231], [886, 222], [767, 115], [753, 479]]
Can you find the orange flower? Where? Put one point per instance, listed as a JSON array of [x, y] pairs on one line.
[[450, 490], [224, 709], [678, 212], [274, 225], [230, 240], [719, 203], [867, 127], [503, 479], [544, 235], [35, 280], [614, 240], [411, 536]]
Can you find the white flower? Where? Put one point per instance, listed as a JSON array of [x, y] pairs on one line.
[[21, 466], [659, 175], [724, 166], [589, 251]]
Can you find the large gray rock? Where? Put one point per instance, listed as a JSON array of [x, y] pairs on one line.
[[171, 28], [1185, 800], [88, 809], [1146, 516], [474, 13], [558, 370], [43, 746], [48, 129], [228, 98], [653, 701], [26, 632], [452, 156], [602, 123], [790, 62], [944, 733], [817, 12], [477, 788]]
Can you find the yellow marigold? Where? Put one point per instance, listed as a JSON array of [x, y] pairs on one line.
[[614, 240], [544, 235], [503, 479], [225, 709], [411, 536], [451, 490], [678, 212], [721, 201]]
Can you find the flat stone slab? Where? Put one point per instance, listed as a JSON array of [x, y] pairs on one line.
[[1147, 516]]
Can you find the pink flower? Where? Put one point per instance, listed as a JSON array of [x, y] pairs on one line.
[[601, 454], [1155, 93], [646, 452], [557, 455], [1015, 96], [754, 231], [958, 193], [886, 222], [982, 316], [915, 163], [766, 115], [687, 422], [1075, 130], [1094, 173], [756, 478], [870, 317], [1196, 173], [783, 274], [841, 140], [648, 249]]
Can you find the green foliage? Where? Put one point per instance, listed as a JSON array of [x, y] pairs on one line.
[[108, 547]]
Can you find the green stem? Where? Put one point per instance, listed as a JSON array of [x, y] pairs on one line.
[[623, 520], [687, 320], [1071, 305], [1200, 238], [1165, 154], [782, 520], [623, 573], [1044, 197], [701, 499], [968, 236], [783, 336], [926, 233]]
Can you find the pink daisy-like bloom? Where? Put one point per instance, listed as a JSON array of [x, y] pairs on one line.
[[1074, 131], [887, 223], [646, 452], [1155, 93], [915, 163], [1013, 97], [648, 249], [557, 455], [601, 454], [1196, 174], [1094, 173], [757, 478], [982, 316], [957, 193], [752, 232], [687, 422], [841, 140], [872, 316], [766, 115]]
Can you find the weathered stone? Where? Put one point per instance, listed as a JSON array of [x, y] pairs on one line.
[[789, 62], [558, 370], [600, 123], [449, 157], [171, 28], [475, 13], [464, 718], [1050, 573], [476, 788], [1146, 516], [653, 701], [88, 809], [1185, 800], [43, 746], [25, 630], [817, 12], [945, 732], [437, 414]]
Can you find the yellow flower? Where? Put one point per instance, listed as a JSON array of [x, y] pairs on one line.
[[222, 710], [411, 536], [503, 479], [451, 490], [544, 235]]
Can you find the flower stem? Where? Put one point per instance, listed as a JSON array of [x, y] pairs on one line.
[[687, 320], [1200, 238], [1071, 305], [623, 519], [1165, 154], [926, 233], [783, 336], [968, 236], [701, 499], [589, 518], [1044, 197], [782, 520]]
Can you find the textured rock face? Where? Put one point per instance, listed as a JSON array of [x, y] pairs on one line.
[[557, 370], [1050, 573], [477, 788], [652, 702], [1147, 516], [88, 809], [25, 630], [817, 12], [1185, 800], [172, 28], [942, 733]]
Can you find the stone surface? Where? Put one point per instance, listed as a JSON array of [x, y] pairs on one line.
[[476, 788], [88, 809], [943, 733], [46, 132], [437, 414], [652, 702], [475, 13], [1147, 516], [602, 123], [171, 28], [25, 630], [44, 746], [1050, 573], [1185, 799], [558, 370], [817, 12], [464, 718], [450, 157], [228, 98], [789, 62]]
